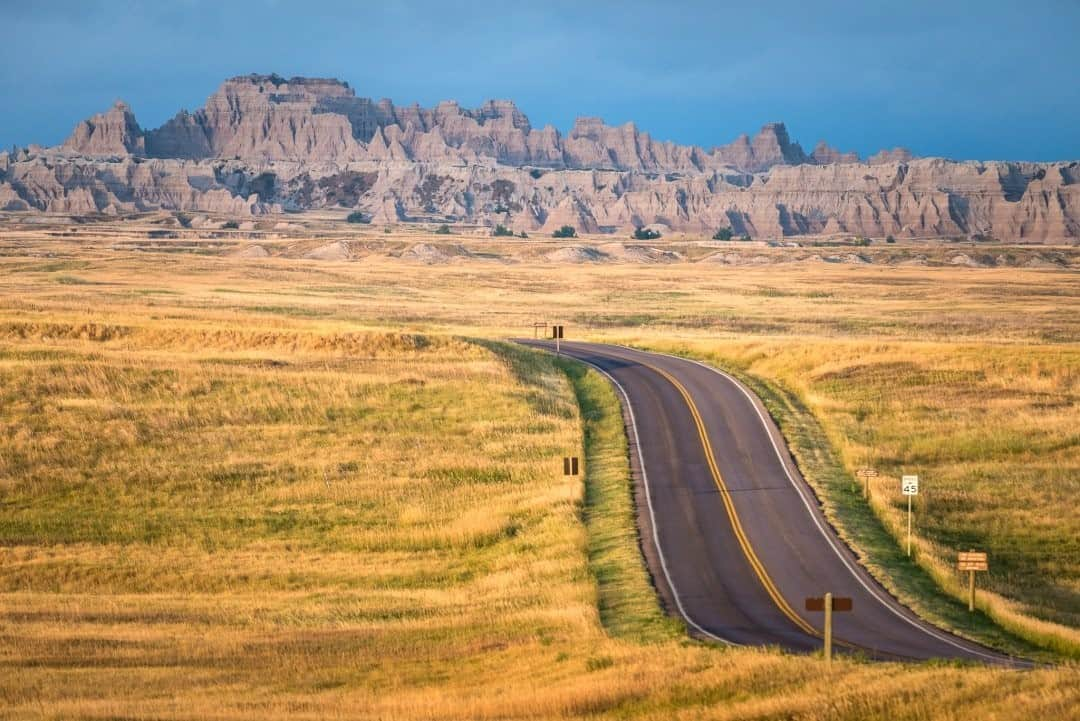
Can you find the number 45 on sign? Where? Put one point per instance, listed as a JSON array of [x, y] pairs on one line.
[[910, 485]]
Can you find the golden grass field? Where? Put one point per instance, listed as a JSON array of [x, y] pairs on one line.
[[243, 488]]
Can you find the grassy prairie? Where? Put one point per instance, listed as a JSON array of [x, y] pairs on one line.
[[249, 489]]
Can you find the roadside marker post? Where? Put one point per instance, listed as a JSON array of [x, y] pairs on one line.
[[909, 486], [972, 561], [866, 474], [828, 604], [557, 334]]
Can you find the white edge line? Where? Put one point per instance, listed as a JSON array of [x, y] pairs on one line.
[[652, 512], [920, 624]]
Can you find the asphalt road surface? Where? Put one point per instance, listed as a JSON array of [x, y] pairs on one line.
[[734, 537]]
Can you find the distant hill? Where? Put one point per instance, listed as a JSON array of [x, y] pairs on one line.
[[265, 144]]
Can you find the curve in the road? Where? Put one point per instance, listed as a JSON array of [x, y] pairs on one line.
[[737, 534]]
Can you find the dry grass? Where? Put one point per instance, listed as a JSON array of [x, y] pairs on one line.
[[264, 488]]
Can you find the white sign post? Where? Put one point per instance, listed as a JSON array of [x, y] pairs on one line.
[[909, 485]]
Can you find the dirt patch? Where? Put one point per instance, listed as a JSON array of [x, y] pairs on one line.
[[966, 260], [1040, 262], [737, 259], [435, 254], [331, 251], [639, 253], [577, 254], [251, 251]]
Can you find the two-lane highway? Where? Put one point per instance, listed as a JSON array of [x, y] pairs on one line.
[[735, 538]]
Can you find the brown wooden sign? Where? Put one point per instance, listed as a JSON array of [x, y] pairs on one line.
[[839, 604], [972, 561], [570, 466], [556, 331]]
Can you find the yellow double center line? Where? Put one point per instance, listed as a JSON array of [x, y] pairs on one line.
[[729, 505]]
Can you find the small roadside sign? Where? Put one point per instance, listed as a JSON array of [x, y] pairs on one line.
[[557, 336], [828, 604], [910, 485], [839, 603], [866, 474], [972, 561], [570, 465]]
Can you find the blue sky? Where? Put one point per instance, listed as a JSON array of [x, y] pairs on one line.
[[986, 80]]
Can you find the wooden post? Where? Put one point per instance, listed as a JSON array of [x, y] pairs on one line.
[[828, 628], [909, 526], [972, 561]]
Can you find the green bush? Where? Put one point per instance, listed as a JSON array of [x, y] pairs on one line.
[[523, 234], [645, 234], [357, 217], [231, 225], [567, 231], [443, 229], [501, 231], [744, 237], [723, 234], [890, 239]]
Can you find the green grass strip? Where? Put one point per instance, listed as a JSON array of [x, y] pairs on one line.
[[628, 603]]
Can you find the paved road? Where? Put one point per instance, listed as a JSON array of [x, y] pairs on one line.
[[734, 536]]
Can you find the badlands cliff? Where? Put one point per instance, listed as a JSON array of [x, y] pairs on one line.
[[263, 144]]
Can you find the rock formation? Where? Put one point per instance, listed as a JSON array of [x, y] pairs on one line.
[[825, 154], [264, 144], [113, 132]]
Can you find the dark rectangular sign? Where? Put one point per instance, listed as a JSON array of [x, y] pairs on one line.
[[570, 466], [556, 331], [839, 604], [972, 561]]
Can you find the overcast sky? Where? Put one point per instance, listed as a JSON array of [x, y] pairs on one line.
[[985, 79]]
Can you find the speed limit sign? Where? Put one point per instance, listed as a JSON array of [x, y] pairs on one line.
[[910, 485]]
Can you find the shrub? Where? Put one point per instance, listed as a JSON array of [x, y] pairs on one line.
[[723, 234], [231, 225], [386, 230], [523, 234], [744, 237], [863, 241], [443, 229], [357, 217], [567, 231], [501, 231], [536, 173], [645, 234], [890, 239]]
